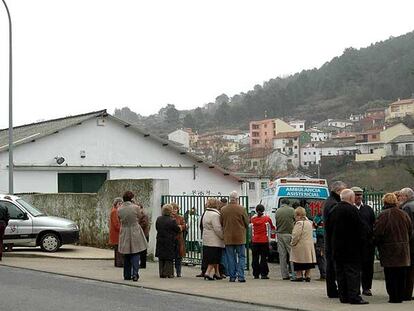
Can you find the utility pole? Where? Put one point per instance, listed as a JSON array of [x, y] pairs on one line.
[[11, 190]]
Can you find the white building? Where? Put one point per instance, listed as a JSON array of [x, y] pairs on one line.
[[318, 135], [311, 153], [298, 125], [339, 123], [180, 136], [255, 186], [288, 144], [78, 153], [241, 138], [402, 145]]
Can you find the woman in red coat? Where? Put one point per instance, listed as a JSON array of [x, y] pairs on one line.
[[114, 228], [180, 251]]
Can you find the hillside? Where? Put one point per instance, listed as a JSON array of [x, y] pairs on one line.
[[356, 80]]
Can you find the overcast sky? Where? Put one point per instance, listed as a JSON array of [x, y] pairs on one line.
[[76, 56]]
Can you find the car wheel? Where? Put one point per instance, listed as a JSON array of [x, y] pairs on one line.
[[49, 242]]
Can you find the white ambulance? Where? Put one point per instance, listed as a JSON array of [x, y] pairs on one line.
[[305, 192]]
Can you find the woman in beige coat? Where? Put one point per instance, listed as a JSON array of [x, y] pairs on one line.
[[213, 243], [131, 237], [303, 250]]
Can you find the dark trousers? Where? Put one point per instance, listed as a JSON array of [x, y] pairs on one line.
[[331, 287], [348, 276], [166, 268], [118, 258], [260, 252], [131, 265], [143, 257], [395, 283], [204, 264], [320, 255], [408, 289], [2, 228], [367, 273], [178, 264]]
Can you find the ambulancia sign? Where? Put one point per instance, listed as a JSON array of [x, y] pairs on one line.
[[303, 192]]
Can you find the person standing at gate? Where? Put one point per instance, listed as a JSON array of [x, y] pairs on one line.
[[145, 225], [407, 205], [180, 245], [131, 237], [212, 240], [285, 220], [261, 226], [368, 250], [114, 228], [4, 221], [167, 230], [333, 199], [235, 223]]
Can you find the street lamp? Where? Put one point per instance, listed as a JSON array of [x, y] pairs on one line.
[[10, 103]]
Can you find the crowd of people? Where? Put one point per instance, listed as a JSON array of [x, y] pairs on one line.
[[351, 234], [341, 240]]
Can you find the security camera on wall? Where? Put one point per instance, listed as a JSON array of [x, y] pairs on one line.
[[59, 160]]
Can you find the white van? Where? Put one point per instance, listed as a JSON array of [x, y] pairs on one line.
[[306, 192], [30, 227]]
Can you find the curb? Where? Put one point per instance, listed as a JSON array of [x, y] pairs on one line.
[[162, 290], [11, 254]]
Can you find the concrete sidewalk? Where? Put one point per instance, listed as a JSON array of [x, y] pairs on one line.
[[273, 292]]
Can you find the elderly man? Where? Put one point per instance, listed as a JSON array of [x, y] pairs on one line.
[[407, 205], [235, 223], [368, 251], [345, 228], [334, 198], [285, 220]]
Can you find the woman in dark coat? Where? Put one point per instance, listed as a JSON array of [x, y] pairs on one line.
[[392, 232], [167, 230], [180, 249]]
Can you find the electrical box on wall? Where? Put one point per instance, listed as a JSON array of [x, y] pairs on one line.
[[83, 154], [101, 121]]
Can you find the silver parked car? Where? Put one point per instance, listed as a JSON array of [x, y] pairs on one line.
[[30, 227]]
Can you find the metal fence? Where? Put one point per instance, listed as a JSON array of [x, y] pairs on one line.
[[192, 208], [374, 199]]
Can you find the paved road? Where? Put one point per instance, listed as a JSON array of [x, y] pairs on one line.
[[22, 290]]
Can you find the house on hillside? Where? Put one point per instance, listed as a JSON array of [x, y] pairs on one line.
[[311, 153], [288, 143], [78, 153], [372, 145], [318, 135], [264, 161], [402, 146], [298, 125], [262, 132], [186, 137], [400, 108]]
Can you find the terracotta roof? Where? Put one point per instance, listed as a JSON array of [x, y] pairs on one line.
[[287, 135], [403, 102], [258, 153]]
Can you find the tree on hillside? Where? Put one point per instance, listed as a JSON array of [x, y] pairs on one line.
[[127, 115], [172, 115], [189, 121]]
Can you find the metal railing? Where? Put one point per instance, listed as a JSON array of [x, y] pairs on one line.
[[192, 208], [374, 199]]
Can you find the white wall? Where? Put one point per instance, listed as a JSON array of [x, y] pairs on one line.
[[107, 147], [180, 137]]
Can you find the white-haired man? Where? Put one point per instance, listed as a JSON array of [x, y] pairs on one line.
[[235, 223], [345, 228], [407, 204]]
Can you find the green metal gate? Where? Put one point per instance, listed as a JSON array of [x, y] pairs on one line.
[[192, 208], [374, 199]]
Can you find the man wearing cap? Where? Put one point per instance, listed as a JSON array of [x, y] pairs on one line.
[[368, 251]]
